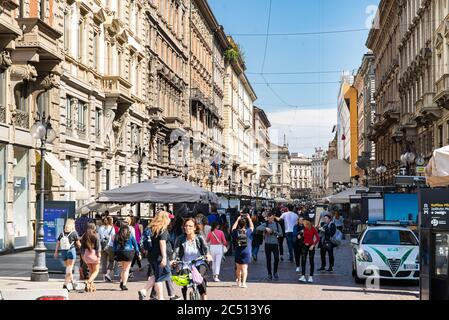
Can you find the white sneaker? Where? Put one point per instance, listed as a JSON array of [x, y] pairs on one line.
[[302, 279], [243, 285], [297, 269], [217, 280], [310, 279]]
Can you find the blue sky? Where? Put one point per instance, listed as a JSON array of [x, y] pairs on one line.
[[309, 110]]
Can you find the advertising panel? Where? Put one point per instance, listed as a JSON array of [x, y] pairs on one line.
[[375, 209], [434, 208], [401, 207]]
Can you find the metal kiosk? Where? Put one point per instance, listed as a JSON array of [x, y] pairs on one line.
[[434, 243]]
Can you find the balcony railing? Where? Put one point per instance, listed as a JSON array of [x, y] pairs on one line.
[[442, 96], [81, 130], [21, 118], [2, 114]]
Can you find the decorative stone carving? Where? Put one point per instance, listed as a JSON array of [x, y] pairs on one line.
[[23, 72], [5, 60], [52, 80]]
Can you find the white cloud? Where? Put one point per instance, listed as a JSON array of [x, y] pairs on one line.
[[305, 129]]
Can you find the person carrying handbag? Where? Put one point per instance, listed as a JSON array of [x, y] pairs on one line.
[[218, 248], [326, 246]]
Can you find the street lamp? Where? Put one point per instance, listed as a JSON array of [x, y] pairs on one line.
[[408, 159], [41, 130], [140, 157], [381, 169]]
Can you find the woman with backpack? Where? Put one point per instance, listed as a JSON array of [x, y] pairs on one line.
[[310, 239], [217, 241], [107, 233], [67, 241], [242, 236], [158, 265], [189, 246], [125, 247], [91, 252]]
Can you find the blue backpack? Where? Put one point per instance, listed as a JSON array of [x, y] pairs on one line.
[[146, 242]]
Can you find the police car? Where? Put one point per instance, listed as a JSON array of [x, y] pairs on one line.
[[385, 252]]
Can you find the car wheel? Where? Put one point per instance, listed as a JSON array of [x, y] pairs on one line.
[[356, 278]]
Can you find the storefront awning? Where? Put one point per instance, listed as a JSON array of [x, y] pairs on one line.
[[81, 192]]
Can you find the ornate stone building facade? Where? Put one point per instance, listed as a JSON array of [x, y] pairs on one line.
[[279, 164], [410, 49], [364, 83], [300, 176], [30, 56], [238, 123], [318, 165], [263, 174], [207, 46], [383, 40]]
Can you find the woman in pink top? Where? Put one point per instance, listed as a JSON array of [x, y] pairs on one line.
[[138, 230], [217, 240]]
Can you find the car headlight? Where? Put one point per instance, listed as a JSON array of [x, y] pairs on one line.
[[364, 255]]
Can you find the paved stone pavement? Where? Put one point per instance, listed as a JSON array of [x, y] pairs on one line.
[[339, 285]]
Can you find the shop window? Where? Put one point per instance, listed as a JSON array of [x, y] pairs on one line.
[[21, 197]]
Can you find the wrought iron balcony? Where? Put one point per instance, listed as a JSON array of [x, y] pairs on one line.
[[442, 94]]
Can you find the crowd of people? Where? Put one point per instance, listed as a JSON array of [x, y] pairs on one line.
[[118, 244]]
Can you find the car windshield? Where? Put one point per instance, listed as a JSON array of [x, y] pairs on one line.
[[390, 237]]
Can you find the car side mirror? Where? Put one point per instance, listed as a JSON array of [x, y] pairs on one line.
[[354, 241]]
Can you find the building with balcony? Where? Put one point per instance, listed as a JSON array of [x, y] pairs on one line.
[[238, 131], [261, 125], [279, 165], [364, 83], [318, 165], [300, 176], [207, 69], [383, 40], [30, 56]]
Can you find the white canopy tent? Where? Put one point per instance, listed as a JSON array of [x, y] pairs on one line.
[[98, 207], [437, 171], [345, 195]]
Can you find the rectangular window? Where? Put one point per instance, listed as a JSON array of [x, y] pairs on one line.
[[440, 136], [81, 171], [97, 123], [82, 116], [21, 95], [42, 8], [67, 18], [2, 89], [108, 179], [69, 111], [95, 50]]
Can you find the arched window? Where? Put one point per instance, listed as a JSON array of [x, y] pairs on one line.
[[43, 103], [21, 93]]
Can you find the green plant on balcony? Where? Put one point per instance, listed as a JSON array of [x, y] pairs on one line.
[[235, 52]]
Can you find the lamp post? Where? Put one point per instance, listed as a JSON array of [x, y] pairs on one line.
[[140, 157], [41, 130], [408, 159], [381, 169]]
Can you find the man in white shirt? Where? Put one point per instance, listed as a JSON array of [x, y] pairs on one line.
[[290, 219]]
